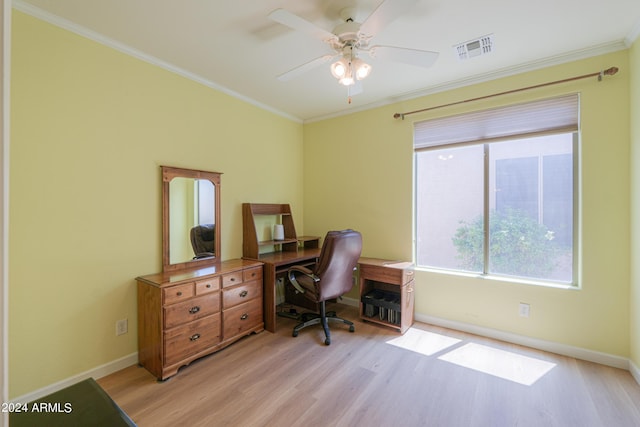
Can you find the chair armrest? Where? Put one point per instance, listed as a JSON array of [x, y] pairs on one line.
[[298, 269]]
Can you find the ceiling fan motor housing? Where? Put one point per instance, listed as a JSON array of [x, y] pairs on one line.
[[347, 31]]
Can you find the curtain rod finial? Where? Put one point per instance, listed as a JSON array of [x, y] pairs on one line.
[[608, 72], [611, 71], [398, 116]]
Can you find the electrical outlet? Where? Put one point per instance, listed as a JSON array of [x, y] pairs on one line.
[[524, 309], [122, 327]]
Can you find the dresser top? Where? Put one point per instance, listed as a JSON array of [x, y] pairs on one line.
[[172, 277]]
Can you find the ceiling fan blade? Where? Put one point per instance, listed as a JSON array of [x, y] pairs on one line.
[[420, 58], [384, 14], [301, 69], [290, 20]]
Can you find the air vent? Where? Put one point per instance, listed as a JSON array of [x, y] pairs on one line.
[[472, 48]]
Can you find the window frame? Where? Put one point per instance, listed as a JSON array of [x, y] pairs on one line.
[[576, 203]]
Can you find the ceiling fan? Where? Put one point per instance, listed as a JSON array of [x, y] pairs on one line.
[[350, 39]]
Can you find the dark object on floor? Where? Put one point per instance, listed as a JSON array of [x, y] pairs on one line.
[[79, 405], [292, 313]]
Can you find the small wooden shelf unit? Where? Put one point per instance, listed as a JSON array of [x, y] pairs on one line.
[[293, 250], [386, 292], [251, 244]]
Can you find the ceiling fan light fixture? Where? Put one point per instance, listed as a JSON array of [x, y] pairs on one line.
[[339, 69], [347, 71], [343, 71], [347, 80], [362, 68]]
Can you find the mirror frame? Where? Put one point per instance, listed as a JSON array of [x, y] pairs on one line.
[[169, 173]]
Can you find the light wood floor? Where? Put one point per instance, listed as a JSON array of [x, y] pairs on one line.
[[369, 378]]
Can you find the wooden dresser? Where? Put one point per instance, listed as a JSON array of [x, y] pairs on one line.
[[186, 314]]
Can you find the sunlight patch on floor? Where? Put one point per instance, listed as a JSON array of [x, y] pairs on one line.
[[423, 342], [500, 363]]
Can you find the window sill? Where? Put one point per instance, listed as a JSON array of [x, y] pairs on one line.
[[497, 278]]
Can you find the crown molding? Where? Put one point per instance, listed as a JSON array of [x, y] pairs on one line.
[[633, 35], [128, 50]]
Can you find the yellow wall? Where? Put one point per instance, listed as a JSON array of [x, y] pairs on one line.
[[90, 129], [369, 188], [635, 202], [91, 126]]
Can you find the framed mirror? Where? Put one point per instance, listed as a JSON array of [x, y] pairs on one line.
[[190, 218]]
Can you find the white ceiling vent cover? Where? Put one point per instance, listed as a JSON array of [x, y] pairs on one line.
[[472, 48]]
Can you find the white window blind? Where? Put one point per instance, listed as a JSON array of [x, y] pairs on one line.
[[558, 114]]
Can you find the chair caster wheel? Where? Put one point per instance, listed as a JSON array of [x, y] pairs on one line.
[[327, 341], [352, 328], [294, 334]]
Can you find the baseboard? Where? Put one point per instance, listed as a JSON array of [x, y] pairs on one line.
[[349, 301], [635, 372], [550, 346], [95, 373]]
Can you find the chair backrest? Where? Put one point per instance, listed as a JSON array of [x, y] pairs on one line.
[[202, 238], [338, 258]]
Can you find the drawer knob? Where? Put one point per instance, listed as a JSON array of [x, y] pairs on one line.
[[208, 285], [194, 337], [194, 310], [179, 293], [244, 294], [244, 316], [233, 279]]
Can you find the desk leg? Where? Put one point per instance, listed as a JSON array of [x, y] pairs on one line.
[[269, 294]]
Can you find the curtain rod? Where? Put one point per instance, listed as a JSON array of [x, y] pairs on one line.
[[608, 72]]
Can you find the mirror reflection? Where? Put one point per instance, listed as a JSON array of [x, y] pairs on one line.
[[192, 219]]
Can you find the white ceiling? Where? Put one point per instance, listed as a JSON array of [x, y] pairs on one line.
[[234, 47]]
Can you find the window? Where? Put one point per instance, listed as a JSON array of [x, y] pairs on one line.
[[496, 191]]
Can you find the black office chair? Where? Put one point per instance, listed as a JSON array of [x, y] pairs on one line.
[[203, 240], [331, 277]]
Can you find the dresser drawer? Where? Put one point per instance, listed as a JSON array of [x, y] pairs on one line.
[[381, 273], [232, 279], [241, 293], [179, 293], [207, 285], [192, 309], [184, 341], [241, 318], [252, 274]]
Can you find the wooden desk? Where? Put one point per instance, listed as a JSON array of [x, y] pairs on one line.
[[292, 250], [276, 263]]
